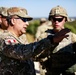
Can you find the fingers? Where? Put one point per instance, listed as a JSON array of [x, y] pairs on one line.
[[61, 35], [64, 31]]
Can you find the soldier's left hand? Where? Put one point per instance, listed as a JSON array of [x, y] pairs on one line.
[[60, 35]]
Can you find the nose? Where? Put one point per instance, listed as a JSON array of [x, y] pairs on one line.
[[56, 22], [27, 23]]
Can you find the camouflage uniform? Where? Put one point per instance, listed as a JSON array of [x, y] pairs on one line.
[[41, 31], [23, 38], [1, 31], [62, 56], [15, 60], [45, 25], [15, 56]]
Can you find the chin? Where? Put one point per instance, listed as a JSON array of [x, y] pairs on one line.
[[24, 32]]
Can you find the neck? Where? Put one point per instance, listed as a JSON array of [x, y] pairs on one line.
[[14, 32], [57, 30]]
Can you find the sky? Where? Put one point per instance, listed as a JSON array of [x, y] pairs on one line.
[[41, 8]]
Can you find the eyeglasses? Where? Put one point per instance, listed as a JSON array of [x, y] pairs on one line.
[[23, 19], [57, 19], [2, 16]]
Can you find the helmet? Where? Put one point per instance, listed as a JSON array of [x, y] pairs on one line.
[[58, 10]]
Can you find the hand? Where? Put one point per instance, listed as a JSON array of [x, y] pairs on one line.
[[60, 35]]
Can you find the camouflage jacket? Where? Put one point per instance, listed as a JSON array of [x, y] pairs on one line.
[[15, 57], [40, 34], [64, 55], [61, 56]]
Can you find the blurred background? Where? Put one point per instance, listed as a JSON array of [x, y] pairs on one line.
[[40, 9]]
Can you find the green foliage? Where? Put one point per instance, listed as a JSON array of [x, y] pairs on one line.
[[71, 25], [33, 27]]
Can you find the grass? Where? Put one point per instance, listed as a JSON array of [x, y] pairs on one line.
[[71, 25]]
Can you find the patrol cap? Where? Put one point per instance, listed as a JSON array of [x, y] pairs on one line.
[[19, 12], [58, 10], [3, 11]]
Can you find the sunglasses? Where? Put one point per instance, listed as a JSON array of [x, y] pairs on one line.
[[57, 19], [23, 19]]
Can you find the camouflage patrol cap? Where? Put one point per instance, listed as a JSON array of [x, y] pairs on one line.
[[21, 12], [3, 11], [58, 10]]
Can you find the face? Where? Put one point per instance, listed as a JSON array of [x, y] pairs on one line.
[[4, 23], [58, 23], [20, 25]]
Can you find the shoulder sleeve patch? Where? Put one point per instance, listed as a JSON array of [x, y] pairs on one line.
[[10, 40]]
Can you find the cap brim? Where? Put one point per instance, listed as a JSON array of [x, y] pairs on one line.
[[68, 19], [28, 18]]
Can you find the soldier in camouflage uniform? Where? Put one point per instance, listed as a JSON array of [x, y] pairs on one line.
[[4, 24], [65, 48], [12, 36], [44, 25], [15, 57], [3, 19], [61, 57]]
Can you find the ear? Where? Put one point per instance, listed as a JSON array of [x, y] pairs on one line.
[[0, 20], [13, 21]]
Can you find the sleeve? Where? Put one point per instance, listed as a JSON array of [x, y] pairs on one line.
[[73, 37], [74, 42], [23, 52], [38, 33]]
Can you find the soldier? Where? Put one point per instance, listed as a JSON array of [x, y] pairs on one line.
[[59, 17], [4, 24], [44, 25], [61, 58], [3, 19], [15, 57]]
